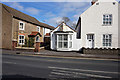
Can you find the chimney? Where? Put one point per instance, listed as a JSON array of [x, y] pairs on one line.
[[93, 2]]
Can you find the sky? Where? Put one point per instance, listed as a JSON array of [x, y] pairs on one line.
[[51, 12]]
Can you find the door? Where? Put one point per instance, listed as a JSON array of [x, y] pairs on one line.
[[90, 40]]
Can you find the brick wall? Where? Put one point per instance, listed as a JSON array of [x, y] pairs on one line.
[[6, 29], [28, 29]]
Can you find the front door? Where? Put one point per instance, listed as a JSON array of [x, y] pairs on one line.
[[90, 40]]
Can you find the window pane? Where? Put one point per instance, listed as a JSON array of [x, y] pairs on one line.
[[19, 41], [65, 44], [109, 44], [60, 44], [22, 37], [59, 37], [65, 37]]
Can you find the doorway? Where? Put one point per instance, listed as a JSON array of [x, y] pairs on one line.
[[90, 40]]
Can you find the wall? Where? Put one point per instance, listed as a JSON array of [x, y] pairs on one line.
[[46, 30], [29, 28], [101, 51], [76, 42], [0, 25], [6, 29], [91, 22], [119, 25]]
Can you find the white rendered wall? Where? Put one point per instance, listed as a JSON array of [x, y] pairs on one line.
[[91, 23], [119, 25]]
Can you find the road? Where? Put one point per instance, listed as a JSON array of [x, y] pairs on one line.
[[51, 67]]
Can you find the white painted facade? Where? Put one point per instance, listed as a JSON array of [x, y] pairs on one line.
[[46, 30], [57, 39], [92, 23]]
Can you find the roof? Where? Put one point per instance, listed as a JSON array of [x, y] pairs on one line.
[[19, 15], [33, 34], [61, 25], [63, 32]]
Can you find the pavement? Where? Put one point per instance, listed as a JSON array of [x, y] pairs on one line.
[[53, 68], [50, 53]]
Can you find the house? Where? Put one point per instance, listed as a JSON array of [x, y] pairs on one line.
[[63, 38], [99, 26], [18, 27]]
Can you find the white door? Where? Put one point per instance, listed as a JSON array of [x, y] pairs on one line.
[[90, 40]]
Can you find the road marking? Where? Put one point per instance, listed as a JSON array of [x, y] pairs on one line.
[[84, 74], [9, 62], [84, 70]]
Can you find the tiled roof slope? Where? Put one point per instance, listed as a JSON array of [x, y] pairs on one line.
[[17, 14]]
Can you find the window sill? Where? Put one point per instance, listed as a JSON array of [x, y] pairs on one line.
[[106, 25]]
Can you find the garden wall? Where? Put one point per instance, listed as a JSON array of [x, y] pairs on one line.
[[101, 51]]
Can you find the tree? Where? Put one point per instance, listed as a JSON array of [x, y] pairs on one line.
[[68, 21]]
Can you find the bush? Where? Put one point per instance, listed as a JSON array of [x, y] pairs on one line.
[[31, 42]]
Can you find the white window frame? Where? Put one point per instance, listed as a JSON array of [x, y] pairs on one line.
[[107, 40], [107, 19], [38, 29], [21, 40], [62, 41], [20, 27], [70, 41]]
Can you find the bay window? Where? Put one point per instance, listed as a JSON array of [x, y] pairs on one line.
[[64, 41]]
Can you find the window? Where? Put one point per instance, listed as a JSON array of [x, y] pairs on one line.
[[21, 39], [107, 19], [107, 40], [38, 29], [62, 41], [21, 25], [37, 38]]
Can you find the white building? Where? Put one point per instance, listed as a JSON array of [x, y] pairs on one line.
[[99, 26], [63, 38]]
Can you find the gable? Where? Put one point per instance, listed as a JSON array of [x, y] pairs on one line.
[[63, 27]]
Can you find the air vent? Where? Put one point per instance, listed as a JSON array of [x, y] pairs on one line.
[[113, 3], [97, 3]]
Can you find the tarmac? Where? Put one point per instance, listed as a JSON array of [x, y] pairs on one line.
[[49, 53]]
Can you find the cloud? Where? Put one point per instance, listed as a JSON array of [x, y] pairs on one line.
[[45, 0], [32, 10], [54, 21], [16, 5], [72, 7]]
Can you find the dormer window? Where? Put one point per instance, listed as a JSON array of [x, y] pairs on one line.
[[21, 26], [38, 29], [107, 19]]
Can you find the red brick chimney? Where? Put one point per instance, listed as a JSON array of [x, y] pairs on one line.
[[93, 2]]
